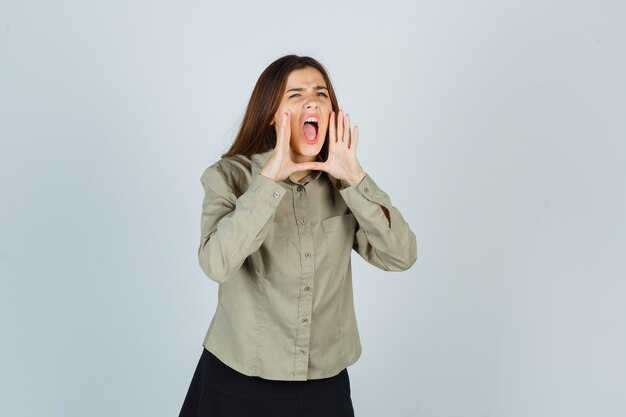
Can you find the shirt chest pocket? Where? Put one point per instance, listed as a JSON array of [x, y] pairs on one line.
[[339, 232], [278, 256]]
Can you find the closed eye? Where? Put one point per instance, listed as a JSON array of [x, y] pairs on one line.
[[296, 94]]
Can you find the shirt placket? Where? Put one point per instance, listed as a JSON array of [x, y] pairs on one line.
[[305, 299]]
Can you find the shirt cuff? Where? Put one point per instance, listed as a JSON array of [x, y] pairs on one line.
[[267, 189], [366, 188]]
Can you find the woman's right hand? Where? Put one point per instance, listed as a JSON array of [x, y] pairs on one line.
[[279, 165]]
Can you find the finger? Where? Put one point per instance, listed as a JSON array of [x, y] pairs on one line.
[[346, 135], [355, 139], [279, 136], [302, 166], [332, 134], [340, 126], [286, 131]]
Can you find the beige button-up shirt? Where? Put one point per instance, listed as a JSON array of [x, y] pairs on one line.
[[280, 252]]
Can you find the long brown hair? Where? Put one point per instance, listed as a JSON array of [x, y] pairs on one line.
[[256, 135]]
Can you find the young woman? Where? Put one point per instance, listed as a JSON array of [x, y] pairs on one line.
[[282, 212]]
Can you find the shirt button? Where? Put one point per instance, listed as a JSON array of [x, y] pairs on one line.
[[276, 194], [300, 188], [302, 221], [367, 190], [302, 352], [304, 320], [307, 288], [307, 254]]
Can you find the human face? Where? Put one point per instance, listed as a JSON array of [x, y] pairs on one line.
[[306, 96]]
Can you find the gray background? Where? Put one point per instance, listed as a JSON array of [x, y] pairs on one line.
[[497, 128]]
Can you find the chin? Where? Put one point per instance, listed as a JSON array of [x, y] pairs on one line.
[[306, 150], [306, 154]]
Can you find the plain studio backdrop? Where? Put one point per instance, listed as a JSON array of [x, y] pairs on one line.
[[498, 129]]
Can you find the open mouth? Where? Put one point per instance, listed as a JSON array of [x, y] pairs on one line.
[[309, 130]]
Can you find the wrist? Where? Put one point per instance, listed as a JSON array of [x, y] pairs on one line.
[[355, 179], [271, 177]]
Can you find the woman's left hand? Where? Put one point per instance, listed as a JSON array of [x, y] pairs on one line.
[[341, 162]]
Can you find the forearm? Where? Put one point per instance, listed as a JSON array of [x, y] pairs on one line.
[[230, 236], [384, 238]]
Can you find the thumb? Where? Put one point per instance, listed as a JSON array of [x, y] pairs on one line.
[[303, 166], [319, 166]]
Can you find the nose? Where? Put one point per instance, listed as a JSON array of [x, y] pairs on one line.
[[311, 103]]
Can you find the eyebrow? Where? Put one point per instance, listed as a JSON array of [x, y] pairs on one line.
[[317, 87]]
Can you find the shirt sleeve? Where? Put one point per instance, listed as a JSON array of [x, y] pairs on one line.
[[233, 228], [388, 244]]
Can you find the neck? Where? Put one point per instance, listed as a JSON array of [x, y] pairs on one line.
[[297, 158], [297, 176]]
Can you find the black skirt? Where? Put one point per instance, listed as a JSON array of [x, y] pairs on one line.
[[217, 390]]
